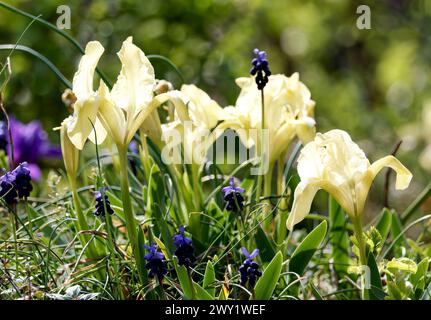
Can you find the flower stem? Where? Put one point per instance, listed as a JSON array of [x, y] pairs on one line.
[[15, 241], [197, 203], [282, 206], [127, 204], [267, 193], [82, 222], [357, 226]]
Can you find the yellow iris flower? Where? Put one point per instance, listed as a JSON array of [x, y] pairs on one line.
[[289, 112], [335, 163]]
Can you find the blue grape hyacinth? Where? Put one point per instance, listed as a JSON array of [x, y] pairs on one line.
[[23, 180], [233, 197], [8, 192], [16, 184], [155, 262], [249, 270], [100, 207], [260, 68], [184, 251]]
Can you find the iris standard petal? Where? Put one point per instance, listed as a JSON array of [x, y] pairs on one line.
[[83, 78]]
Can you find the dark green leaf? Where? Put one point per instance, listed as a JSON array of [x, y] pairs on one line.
[[306, 249], [339, 237], [266, 284]]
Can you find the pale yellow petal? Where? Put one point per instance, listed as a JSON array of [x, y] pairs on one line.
[[83, 78], [111, 117], [68, 150], [303, 198], [100, 132], [80, 126], [404, 176], [203, 110], [139, 119], [134, 87], [305, 129]]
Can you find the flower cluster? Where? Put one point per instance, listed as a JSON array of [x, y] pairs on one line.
[[101, 202], [260, 68], [232, 196], [249, 270], [184, 251], [16, 184], [155, 262]]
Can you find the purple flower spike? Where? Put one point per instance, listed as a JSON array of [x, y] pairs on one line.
[[16, 184], [231, 188], [100, 206], [8, 191], [260, 68], [232, 196], [249, 256], [249, 270], [155, 262], [184, 251]]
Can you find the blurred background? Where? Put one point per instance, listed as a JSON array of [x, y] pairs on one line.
[[373, 83]]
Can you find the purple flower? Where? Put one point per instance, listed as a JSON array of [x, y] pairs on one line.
[[231, 188], [100, 206], [249, 270], [184, 251], [232, 195], [260, 68], [8, 192], [30, 144], [155, 262], [16, 184], [23, 180]]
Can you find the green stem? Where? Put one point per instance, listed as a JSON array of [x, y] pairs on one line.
[[13, 224], [282, 207], [266, 193], [82, 224], [197, 202], [145, 155], [127, 204], [357, 226]]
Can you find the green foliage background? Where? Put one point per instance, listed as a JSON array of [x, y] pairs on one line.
[[370, 83]]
